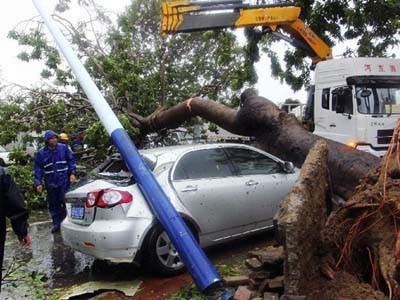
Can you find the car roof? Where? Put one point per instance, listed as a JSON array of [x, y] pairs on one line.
[[171, 153]]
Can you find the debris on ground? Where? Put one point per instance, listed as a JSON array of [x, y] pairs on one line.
[[265, 282], [128, 288]]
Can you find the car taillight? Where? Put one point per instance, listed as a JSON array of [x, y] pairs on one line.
[[107, 198], [92, 198]]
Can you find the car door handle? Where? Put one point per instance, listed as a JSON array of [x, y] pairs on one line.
[[190, 188], [251, 183], [332, 125]]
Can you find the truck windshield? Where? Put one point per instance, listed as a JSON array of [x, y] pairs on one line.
[[378, 100]]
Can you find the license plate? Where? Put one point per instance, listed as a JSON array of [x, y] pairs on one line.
[[77, 212]]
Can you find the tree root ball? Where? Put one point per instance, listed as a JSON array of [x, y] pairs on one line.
[[363, 235]]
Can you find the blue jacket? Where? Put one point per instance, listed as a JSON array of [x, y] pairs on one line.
[[54, 165]]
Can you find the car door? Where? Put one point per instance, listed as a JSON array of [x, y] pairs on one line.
[[264, 182], [204, 182]]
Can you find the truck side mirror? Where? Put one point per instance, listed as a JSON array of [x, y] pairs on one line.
[[365, 93], [344, 100]]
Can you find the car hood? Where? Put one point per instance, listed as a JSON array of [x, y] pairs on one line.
[[90, 186]]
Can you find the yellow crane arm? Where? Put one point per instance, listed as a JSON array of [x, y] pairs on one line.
[[188, 16]]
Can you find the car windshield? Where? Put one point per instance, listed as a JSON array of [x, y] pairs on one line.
[[114, 169], [378, 100], [2, 149]]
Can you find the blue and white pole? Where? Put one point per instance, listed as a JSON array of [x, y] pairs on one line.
[[203, 272]]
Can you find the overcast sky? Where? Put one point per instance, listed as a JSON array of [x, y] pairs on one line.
[[13, 70]]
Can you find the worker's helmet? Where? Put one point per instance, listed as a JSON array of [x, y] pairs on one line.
[[64, 137]]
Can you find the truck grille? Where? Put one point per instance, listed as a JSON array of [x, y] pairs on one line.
[[384, 136]]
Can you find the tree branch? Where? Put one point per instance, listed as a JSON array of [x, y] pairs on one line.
[[275, 131]]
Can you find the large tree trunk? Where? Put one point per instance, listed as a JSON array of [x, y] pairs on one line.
[[275, 131]]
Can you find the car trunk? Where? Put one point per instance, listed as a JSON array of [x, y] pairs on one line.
[[112, 173], [78, 213]]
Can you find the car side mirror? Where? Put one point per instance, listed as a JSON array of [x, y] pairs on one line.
[[288, 167]]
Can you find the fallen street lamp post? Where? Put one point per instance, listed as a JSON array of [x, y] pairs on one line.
[[203, 272]]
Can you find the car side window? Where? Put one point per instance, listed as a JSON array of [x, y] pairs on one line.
[[249, 162], [207, 163]]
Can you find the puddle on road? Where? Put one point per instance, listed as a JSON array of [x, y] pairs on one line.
[[48, 265]]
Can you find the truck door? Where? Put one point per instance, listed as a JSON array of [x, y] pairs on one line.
[[324, 115], [344, 123], [331, 123]]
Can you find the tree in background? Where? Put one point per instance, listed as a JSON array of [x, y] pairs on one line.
[[124, 60]]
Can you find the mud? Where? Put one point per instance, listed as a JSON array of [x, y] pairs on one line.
[[162, 288], [343, 287]]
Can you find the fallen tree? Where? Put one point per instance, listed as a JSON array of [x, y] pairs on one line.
[[274, 131], [360, 241]]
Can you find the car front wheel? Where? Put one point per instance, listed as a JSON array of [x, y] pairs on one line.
[[163, 257]]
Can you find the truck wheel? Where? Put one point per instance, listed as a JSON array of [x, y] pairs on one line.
[[163, 258]]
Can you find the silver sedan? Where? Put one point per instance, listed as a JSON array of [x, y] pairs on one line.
[[222, 191]]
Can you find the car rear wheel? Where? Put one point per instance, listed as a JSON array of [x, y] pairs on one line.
[[163, 257]]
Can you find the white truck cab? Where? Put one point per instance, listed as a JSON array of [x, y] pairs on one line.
[[356, 101]]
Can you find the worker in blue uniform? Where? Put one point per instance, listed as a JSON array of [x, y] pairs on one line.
[[56, 165]]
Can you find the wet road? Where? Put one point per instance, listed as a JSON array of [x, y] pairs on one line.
[[47, 265]]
